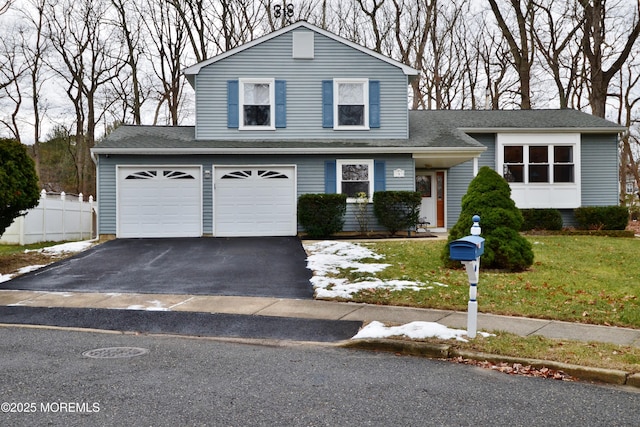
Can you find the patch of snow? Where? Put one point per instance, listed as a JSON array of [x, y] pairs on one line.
[[5, 277], [30, 268], [146, 308], [329, 257], [326, 258], [413, 330], [63, 248]]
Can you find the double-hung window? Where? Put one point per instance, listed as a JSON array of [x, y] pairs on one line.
[[563, 166], [257, 104], [351, 98], [355, 176]]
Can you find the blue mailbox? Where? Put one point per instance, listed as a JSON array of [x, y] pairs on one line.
[[468, 248]]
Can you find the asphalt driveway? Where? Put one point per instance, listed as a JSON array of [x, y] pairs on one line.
[[243, 266]]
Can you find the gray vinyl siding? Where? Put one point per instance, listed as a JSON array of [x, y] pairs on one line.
[[459, 177], [273, 59], [599, 169], [310, 179], [599, 177]]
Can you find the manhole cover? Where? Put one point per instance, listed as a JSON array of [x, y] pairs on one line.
[[115, 352]]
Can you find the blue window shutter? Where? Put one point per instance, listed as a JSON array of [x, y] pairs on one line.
[[327, 104], [330, 178], [232, 104], [281, 104], [379, 176], [374, 103]]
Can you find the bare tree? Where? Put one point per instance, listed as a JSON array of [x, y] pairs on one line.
[[520, 43], [558, 41], [169, 41], [87, 62], [34, 45], [12, 70], [627, 86], [129, 23], [5, 5], [495, 62], [373, 18], [603, 32], [411, 29]]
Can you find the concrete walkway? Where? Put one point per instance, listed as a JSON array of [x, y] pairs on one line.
[[312, 309]]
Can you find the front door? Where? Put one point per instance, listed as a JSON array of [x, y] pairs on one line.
[[440, 199], [424, 185], [431, 187]]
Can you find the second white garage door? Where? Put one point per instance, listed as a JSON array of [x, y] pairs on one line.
[[255, 201]]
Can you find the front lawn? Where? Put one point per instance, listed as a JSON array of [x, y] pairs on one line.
[[589, 279]]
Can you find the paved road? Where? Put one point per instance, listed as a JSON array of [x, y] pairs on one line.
[[183, 381], [265, 266]]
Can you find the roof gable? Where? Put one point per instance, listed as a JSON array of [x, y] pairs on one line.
[[192, 71]]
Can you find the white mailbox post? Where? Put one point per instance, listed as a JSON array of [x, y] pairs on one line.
[[468, 251]]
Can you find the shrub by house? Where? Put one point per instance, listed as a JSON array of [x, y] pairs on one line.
[[489, 196]]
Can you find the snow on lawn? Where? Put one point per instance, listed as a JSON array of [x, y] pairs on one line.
[[413, 330], [63, 248], [326, 258]]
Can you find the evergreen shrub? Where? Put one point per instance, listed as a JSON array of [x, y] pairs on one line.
[[489, 196], [397, 210], [322, 215], [602, 217], [18, 182], [541, 219]]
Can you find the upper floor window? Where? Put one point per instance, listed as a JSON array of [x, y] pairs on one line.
[[538, 163], [352, 102], [257, 104]]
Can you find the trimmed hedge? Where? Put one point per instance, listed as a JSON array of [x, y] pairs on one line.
[[397, 210], [322, 215], [541, 219], [602, 217]]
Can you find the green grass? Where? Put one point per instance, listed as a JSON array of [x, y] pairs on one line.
[[588, 279], [594, 354], [16, 249]]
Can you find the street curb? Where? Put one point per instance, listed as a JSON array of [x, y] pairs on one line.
[[444, 351]]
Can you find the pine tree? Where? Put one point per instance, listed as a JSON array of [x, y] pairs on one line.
[[18, 182], [489, 196]]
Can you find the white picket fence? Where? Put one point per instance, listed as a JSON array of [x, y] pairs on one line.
[[56, 218]]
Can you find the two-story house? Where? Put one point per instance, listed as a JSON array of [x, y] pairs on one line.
[[302, 110]]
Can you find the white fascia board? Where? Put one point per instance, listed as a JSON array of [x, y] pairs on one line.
[[195, 69], [545, 130], [456, 151]]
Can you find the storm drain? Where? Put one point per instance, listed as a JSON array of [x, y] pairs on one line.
[[115, 352]]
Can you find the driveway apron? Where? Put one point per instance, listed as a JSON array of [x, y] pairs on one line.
[[264, 266]]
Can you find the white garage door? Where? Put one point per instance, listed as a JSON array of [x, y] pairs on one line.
[[255, 201], [159, 202]]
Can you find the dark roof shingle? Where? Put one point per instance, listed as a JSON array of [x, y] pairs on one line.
[[428, 129]]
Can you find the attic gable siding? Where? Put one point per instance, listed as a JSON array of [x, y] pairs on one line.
[[273, 59]]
